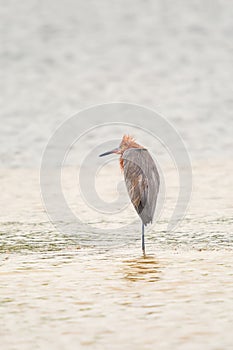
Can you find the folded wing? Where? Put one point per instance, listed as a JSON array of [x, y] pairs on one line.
[[142, 182]]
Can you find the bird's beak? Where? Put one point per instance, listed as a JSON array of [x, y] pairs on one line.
[[115, 150]]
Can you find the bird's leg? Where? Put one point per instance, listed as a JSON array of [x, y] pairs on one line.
[[143, 240]]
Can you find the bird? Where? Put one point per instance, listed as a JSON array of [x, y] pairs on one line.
[[141, 177]]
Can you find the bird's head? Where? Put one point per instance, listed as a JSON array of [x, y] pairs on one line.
[[126, 142]]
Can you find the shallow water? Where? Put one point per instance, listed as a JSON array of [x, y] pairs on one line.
[[83, 299], [86, 291], [61, 291]]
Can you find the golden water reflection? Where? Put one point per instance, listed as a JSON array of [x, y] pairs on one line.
[[146, 268]]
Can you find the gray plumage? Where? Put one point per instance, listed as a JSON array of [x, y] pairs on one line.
[[142, 182]]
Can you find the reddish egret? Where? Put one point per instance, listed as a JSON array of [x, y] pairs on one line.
[[141, 178]]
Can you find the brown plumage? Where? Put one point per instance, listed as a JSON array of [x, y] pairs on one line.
[[141, 178], [126, 143]]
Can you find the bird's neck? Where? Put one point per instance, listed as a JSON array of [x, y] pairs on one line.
[[132, 145], [121, 162]]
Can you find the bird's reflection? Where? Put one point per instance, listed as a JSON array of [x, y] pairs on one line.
[[145, 268]]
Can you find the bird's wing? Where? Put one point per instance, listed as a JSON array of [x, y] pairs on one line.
[[142, 181]]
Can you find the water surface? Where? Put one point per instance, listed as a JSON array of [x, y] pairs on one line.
[[77, 291]]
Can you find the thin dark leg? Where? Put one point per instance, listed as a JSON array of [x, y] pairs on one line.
[[143, 240]]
